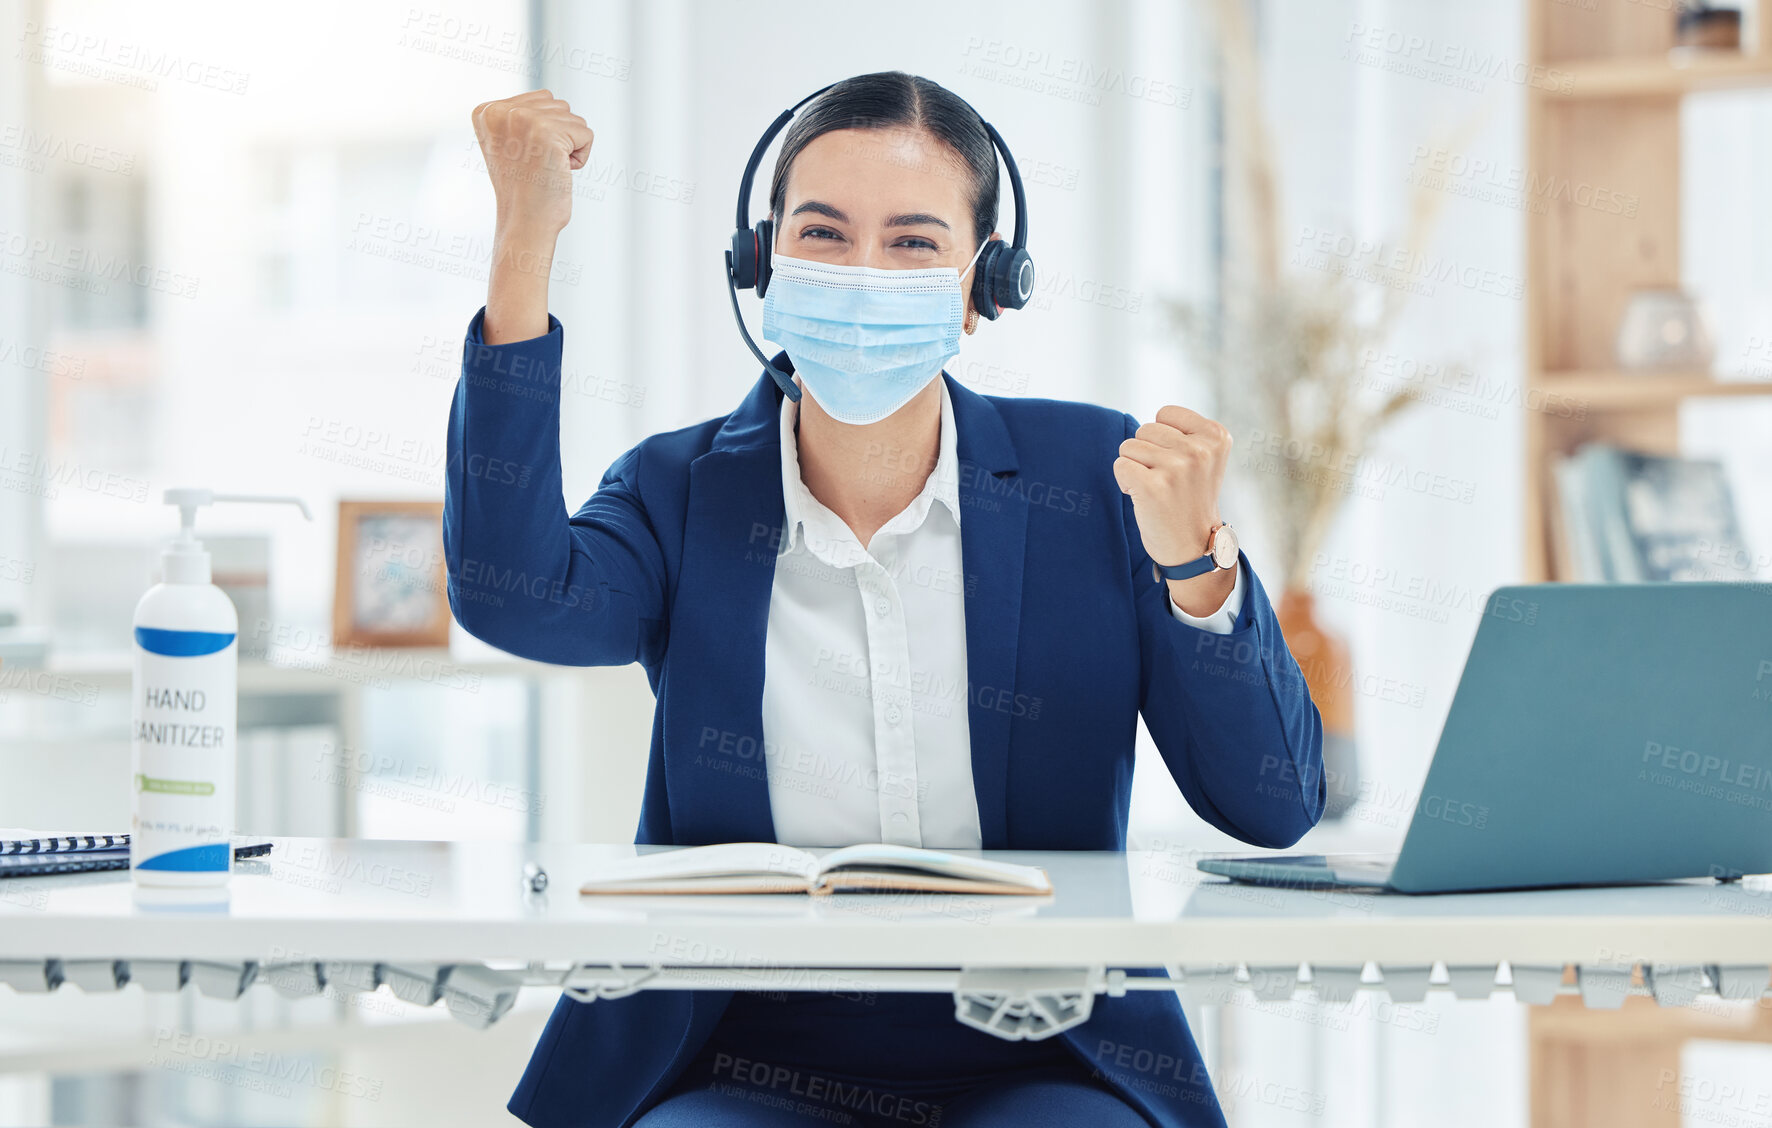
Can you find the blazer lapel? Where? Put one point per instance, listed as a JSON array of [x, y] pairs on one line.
[[715, 770], [993, 542]]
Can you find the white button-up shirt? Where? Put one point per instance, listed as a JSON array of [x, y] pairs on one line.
[[865, 726]]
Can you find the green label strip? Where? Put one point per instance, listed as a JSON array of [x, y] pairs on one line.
[[173, 786]]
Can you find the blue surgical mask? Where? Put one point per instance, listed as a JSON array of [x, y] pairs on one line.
[[864, 340]]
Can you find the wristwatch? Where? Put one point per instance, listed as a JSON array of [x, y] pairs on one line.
[[1221, 552]]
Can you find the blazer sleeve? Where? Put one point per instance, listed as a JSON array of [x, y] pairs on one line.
[[584, 590], [1230, 713]]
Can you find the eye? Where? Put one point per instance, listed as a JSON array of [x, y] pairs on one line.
[[819, 233], [918, 243]]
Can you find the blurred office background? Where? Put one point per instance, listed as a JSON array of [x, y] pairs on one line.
[[306, 222]]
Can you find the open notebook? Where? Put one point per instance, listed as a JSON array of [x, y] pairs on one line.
[[767, 867]]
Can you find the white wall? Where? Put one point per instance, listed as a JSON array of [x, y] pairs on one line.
[[1726, 262], [1348, 133], [22, 370]]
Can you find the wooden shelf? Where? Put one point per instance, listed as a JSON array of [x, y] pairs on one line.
[[1604, 111], [1651, 77], [1629, 391]]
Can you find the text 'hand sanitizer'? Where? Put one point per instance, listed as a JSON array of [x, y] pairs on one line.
[[181, 747]]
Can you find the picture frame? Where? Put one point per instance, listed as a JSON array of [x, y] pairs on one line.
[[390, 589]]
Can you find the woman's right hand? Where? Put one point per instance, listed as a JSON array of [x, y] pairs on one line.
[[532, 143]]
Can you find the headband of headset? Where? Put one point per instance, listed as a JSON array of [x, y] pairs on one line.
[[1004, 278]]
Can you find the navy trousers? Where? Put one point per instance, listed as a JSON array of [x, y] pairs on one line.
[[873, 1060]]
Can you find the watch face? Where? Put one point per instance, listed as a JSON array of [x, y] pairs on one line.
[[1224, 547]]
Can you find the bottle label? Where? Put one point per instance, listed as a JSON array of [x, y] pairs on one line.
[[182, 750]]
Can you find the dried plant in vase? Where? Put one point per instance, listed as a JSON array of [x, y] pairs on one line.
[[1287, 353]]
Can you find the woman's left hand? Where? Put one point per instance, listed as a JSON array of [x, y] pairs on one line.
[[1173, 469]]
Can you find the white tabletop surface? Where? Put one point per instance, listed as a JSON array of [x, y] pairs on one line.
[[394, 901]]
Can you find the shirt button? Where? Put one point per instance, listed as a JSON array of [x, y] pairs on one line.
[[899, 818], [892, 715], [883, 606]]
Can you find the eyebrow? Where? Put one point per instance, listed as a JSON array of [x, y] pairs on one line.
[[911, 219]]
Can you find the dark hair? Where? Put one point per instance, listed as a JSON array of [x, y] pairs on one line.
[[893, 98]]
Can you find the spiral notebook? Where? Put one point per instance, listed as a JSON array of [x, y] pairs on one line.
[[19, 841], [30, 853]]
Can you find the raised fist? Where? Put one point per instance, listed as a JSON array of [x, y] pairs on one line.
[[532, 143]]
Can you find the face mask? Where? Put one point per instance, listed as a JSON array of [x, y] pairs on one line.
[[864, 340]]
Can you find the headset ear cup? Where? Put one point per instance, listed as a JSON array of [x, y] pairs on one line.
[[1012, 278], [984, 281], [765, 233], [744, 259]]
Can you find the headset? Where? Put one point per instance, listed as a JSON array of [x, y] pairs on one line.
[[1002, 279]]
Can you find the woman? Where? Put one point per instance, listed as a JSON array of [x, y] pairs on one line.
[[887, 609]]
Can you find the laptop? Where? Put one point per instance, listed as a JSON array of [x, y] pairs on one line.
[[1601, 734]]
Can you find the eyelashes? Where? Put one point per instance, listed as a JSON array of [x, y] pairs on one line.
[[913, 243]]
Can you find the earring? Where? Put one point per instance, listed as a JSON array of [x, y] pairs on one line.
[[971, 322]]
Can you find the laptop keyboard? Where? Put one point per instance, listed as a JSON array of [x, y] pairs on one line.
[[1364, 863]]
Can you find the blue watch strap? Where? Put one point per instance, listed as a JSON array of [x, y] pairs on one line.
[[1186, 571]]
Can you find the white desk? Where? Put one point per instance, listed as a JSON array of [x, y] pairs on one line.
[[453, 921]]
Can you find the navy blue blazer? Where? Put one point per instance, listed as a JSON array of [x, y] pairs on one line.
[[1068, 640]]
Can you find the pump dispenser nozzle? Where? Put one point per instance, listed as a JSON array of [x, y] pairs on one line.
[[185, 561]]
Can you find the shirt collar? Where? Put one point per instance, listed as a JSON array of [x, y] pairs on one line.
[[800, 507]]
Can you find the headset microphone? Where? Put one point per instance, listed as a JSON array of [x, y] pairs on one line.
[[1003, 278], [782, 379]]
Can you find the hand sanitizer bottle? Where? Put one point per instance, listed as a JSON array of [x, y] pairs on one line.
[[181, 748]]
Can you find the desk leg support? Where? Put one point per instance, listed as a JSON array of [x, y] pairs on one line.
[[1026, 1005], [589, 982]]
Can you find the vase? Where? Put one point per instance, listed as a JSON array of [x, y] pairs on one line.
[[1329, 674]]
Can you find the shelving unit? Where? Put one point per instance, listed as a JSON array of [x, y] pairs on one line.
[[1605, 113], [1653, 77], [1614, 391]]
